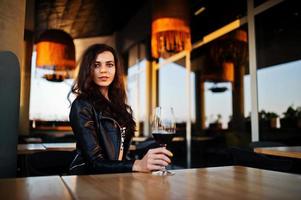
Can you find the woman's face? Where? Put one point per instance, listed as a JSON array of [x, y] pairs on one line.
[[104, 71]]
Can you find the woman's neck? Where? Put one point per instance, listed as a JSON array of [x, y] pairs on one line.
[[105, 92]]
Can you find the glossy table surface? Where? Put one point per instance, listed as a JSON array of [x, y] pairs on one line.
[[231, 182], [24, 149], [30, 148], [47, 187], [289, 151], [68, 146], [38, 147]]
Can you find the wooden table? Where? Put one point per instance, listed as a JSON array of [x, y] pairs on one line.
[[290, 151], [30, 148], [25, 150], [232, 182], [47, 187], [68, 146], [33, 148], [139, 139], [201, 138], [39, 147]]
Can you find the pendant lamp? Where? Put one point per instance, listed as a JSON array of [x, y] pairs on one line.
[[170, 27], [226, 54], [56, 52]]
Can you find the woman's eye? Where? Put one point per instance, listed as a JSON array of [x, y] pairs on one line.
[[96, 65], [110, 65]]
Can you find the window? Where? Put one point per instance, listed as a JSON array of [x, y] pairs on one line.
[[48, 100], [172, 92], [218, 105], [136, 91]]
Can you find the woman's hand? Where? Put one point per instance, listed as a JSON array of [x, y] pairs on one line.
[[154, 159]]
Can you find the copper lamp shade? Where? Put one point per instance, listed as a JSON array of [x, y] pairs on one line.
[[170, 27], [223, 73], [226, 54], [56, 52]]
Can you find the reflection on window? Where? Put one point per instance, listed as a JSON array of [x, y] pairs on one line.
[[218, 105], [247, 96], [279, 89], [136, 90], [172, 92], [48, 100]]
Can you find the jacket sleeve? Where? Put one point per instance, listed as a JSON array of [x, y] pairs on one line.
[[83, 126]]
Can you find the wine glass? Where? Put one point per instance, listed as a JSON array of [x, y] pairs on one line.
[[163, 130]]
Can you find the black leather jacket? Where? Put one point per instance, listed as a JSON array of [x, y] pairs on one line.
[[98, 141]]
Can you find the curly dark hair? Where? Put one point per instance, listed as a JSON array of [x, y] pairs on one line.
[[84, 86]]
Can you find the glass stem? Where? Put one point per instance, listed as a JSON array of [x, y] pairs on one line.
[[164, 170]]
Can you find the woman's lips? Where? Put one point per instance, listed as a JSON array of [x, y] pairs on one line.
[[103, 78]]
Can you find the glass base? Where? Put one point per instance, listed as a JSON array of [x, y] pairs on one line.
[[163, 173]]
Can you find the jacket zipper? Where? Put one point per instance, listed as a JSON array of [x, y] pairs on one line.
[[122, 131], [78, 165]]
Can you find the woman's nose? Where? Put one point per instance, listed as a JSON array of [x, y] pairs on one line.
[[102, 69]]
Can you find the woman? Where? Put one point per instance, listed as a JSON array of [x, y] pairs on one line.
[[102, 122]]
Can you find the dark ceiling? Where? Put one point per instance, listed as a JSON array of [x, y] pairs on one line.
[[84, 18], [88, 18], [217, 14]]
